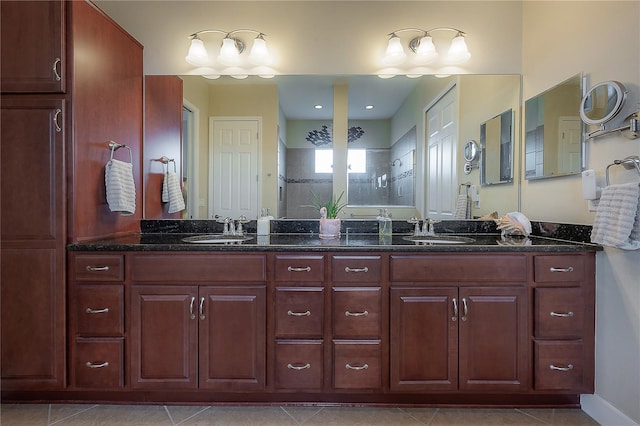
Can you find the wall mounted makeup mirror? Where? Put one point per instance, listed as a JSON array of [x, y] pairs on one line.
[[601, 104], [554, 136], [496, 145], [471, 154]]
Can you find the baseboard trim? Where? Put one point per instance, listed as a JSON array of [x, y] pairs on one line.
[[603, 412]]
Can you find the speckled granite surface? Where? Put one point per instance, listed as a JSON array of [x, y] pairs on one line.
[[357, 235]]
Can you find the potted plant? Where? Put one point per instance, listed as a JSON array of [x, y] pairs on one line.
[[329, 221]]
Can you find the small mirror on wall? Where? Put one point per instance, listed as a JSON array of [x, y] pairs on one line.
[[554, 134], [496, 145]]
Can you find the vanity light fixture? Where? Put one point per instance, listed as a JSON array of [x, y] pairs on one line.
[[423, 49], [230, 59]]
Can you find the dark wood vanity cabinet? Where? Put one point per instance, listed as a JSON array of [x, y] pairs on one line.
[[464, 328]]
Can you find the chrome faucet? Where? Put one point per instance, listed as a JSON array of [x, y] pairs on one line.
[[427, 228]]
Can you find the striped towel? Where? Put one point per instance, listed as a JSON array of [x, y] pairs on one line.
[[617, 222], [463, 207], [173, 192], [121, 189]]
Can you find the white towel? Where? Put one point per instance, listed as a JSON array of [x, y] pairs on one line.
[[463, 207], [174, 193], [121, 189], [617, 222], [165, 189]]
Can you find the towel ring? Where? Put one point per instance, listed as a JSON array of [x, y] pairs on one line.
[[114, 146], [166, 160], [628, 163]]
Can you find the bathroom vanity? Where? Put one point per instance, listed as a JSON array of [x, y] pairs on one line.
[[294, 319]]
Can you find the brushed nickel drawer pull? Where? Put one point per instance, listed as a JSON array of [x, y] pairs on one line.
[[55, 120], [202, 317], [191, 314], [561, 314], [292, 269], [97, 268], [298, 368], [567, 368], [356, 314], [569, 269], [97, 311], [97, 365], [55, 69], [455, 310], [347, 269], [465, 309], [355, 367], [299, 314]]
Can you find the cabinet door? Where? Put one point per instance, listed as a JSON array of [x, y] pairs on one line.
[[493, 338], [163, 337], [232, 337], [32, 274], [32, 41], [424, 339]]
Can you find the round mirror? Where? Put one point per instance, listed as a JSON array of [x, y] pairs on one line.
[[470, 151], [602, 102]]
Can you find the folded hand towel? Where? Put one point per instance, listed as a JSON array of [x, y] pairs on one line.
[[120, 186], [617, 222], [176, 200], [165, 189], [463, 207]]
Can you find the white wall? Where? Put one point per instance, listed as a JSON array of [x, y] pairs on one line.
[[602, 40]]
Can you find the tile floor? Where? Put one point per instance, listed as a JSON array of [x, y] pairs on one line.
[[159, 415]]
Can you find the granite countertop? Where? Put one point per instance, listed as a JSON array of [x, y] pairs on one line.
[[167, 235]]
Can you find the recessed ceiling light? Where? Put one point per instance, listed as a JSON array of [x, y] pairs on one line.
[[318, 106], [369, 107]]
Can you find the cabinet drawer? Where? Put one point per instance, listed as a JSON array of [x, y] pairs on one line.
[[357, 365], [200, 268], [559, 313], [299, 365], [99, 267], [98, 363], [357, 312], [99, 310], [559, 366], [458, 268], [559, 268], [299, 311], [299, 268], [356, 268]]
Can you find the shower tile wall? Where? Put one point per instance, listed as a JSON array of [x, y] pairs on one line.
[[301, 180]]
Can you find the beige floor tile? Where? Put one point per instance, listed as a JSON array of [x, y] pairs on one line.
[[24, 414], [482, 417], [365, 416], [543, 414], [241, 416], [302, 414], [181, 413], [423, 415], [60, 412], [572, 417], [120, 415]]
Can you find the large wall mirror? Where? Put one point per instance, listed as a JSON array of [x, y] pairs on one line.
[[496, 147], [554, 136], [386, 132]]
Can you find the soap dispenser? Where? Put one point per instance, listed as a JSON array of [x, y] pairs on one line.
[[385, 225]]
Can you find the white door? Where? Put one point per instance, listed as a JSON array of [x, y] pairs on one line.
[[569, 152], [442, 140], [234, 168]]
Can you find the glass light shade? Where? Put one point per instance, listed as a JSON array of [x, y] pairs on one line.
[[458, 52], [426, 51], [229, 54], [197, 54], [394, 55], [259, 54]]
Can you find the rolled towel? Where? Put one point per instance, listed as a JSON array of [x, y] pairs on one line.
[[120, 186], [617, 222], [176, 200]]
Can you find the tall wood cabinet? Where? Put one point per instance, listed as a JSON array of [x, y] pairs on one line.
[[71, 80]]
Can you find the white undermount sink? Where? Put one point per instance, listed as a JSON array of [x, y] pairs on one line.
[[216, 239], [438, 239]]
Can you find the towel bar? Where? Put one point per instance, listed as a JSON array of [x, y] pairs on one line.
[[114, 146], [628, 163]]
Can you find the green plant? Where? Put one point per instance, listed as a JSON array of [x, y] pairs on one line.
[[333, 206]]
